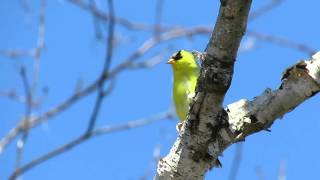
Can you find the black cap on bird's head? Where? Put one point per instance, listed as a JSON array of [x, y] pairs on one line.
[[183, 59], [175, 57]]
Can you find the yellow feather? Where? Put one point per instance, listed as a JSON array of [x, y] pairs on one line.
[[185, 74]]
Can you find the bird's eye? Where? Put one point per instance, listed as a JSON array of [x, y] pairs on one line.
[[177, 56]]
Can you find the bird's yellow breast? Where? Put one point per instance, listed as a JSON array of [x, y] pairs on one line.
[[185, 74], [183, 90]]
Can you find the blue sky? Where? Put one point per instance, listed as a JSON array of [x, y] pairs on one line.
[[73, 53]]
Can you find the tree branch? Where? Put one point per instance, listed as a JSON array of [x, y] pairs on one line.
[[282, 41], [264, 9], [122, 21], [158, 17], [28, 109], [197, 148], [105, 70], [84, 137], [129, 63], [299, 83]]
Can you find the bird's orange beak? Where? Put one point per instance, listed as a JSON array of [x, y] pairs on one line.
[[171, 61]]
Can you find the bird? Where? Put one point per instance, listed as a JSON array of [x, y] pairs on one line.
[[185, 75]]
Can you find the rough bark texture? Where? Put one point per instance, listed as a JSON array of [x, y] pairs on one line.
[[239, 120], [205, 132], [299, 83], [210, 129]]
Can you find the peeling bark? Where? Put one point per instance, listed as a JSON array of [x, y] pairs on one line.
[[299, 83], [204, 133], [210, 129], [196, 150]]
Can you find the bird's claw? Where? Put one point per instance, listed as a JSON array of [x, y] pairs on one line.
[[179, 126]]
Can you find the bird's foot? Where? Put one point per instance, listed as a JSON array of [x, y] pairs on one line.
[[179, 126]]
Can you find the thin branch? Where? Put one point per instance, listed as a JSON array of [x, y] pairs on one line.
[[283, 42], [127, 64], [153, 61], [99, 14], [97, 132], [28, 108], [37, 161], [105, 70], [40, 46], [134, 124], [36, 51], [247, 45], [264, 9], [158, 17], [16, 53], [30, 89], [96, 21], [13, 96]]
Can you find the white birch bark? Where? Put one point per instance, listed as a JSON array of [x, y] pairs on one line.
[[210, 129], [244, 117]]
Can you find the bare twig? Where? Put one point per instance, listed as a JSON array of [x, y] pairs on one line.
[[28, 108], [11, 94], [99, 14], [127, 64], [39, 48], [96, 21], [16, 53], [264, 9], [247, 45], [105, 70], [97, 132], [153, 61], [282, 41], [36, 51], [30, 89], [236, 162], [158, 17]]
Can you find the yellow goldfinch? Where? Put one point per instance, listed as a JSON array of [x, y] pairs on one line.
[[185, 74]]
